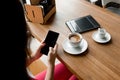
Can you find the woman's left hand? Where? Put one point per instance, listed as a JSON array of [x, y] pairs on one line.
[[38, 53], [35, 56]]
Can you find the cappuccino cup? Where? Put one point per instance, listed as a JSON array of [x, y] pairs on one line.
[[75, 39]]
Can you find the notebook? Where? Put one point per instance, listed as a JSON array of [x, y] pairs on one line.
[[82, 24]]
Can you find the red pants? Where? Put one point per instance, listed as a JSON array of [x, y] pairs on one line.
[[61, 73]]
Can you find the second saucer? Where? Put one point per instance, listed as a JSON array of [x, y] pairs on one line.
[[98, 39]]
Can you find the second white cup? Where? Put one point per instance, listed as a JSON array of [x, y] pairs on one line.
[[101, 32]]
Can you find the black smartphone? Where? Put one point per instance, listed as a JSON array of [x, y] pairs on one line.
[[49, 41]]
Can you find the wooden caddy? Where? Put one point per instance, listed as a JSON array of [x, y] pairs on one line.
[[35, 13]]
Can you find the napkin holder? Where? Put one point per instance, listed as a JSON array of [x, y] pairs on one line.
[[35, 13]]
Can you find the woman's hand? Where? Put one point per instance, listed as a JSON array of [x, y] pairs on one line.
[[52, 55], [51, 62], [38, 54], [35, 56]]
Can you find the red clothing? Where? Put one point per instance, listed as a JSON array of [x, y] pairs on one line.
[[61, 73]]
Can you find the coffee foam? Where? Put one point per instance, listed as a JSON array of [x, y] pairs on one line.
[[74, 38]]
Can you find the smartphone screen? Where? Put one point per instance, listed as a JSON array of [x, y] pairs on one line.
[[50, 41]]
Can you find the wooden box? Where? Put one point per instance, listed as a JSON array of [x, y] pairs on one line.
[[35, 13]]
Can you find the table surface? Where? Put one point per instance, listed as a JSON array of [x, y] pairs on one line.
[[99, 61]]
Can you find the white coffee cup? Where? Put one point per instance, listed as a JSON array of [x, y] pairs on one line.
[[101, 32], [75, 39]]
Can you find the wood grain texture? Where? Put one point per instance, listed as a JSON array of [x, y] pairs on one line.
[[100, 61], [37, 67]]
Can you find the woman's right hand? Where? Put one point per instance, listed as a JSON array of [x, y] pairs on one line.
[[52, 55], [51, 62]]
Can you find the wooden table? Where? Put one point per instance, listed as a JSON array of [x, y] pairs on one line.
[[100, 61]]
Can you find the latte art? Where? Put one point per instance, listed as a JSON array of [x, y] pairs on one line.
[[74, 38]]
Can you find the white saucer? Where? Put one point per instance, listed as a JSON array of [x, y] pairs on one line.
[[96, 38], [75, 50]]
